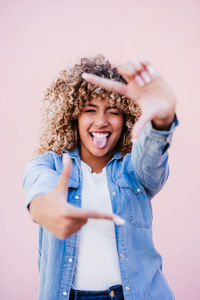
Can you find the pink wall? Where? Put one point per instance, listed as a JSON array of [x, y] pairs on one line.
[[38, 38]]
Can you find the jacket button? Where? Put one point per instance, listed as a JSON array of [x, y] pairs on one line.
[[127, 288], [138, 190], [70, 259], [76, 197], [122, 255], [65, 293], [113, 193]]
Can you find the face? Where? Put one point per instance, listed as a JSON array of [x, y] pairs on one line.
[[100, 127]]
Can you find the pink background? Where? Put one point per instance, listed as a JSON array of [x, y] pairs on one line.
[[39, 38]]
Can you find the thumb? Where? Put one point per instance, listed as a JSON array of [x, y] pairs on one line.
[[138, 126], [67, 168]]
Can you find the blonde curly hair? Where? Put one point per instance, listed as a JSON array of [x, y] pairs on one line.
[[69, 93]]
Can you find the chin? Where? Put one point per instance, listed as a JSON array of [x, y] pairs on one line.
[[102, 152]]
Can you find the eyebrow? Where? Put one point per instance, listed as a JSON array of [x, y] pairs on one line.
[[91, 105], [109, 107]]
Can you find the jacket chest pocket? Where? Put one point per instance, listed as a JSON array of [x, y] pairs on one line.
[[138, 207]]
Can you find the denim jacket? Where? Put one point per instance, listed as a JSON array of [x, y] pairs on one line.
[[133, 180]]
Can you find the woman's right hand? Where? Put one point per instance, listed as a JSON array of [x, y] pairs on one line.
[[147, 88], [54, 213]]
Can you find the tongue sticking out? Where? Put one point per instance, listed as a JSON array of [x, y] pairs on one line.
[[100, 141]]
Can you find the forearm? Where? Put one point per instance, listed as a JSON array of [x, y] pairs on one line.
[[150, 157], [40, 177], [35, 207]]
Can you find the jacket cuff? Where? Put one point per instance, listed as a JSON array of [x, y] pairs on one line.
[[157, 140]]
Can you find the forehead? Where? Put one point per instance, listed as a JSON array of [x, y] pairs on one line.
[[99, 102]]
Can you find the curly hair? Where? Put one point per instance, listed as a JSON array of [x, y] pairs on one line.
[[66, 97]]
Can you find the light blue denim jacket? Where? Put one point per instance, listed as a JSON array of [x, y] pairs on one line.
[[132, 181]]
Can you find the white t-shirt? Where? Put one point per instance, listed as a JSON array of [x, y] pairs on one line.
[[97, 260]]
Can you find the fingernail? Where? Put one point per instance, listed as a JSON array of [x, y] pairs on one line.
[[146, 77], [151, 70], [139, 80], [84, 75], [126, 68], [118, 220]]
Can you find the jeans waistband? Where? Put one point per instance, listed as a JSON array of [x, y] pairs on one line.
[[115, 292]]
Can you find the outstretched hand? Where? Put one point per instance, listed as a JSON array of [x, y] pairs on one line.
[[58, 216], [147, 88]]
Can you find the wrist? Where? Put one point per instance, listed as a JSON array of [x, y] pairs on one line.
[[33, 207], [163, 124]]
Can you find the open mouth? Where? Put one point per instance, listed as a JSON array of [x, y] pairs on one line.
[[100, 139]]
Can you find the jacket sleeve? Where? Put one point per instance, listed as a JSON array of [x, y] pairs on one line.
[[40, 176], [150, 157]]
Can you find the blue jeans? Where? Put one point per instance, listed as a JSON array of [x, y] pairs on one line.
[[115, 292]]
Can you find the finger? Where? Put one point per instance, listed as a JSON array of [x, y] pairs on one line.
[[148, 68], [146, 77], [136, 70], [83, 215], [151, 70], [139, 125], [139, 80], [67, 168], [100, 215], [127, 71], [80, 213], [115, 218], [107, 84], [144, 62], [127, 68], [136, 65]]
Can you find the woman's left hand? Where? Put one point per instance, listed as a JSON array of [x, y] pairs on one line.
[[146, 87]]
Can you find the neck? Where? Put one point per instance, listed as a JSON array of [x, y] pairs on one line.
[[96, 163]]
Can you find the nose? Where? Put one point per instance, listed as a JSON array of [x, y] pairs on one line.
[[101, 120]]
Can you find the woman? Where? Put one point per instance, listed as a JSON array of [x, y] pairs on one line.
[[90, 189]]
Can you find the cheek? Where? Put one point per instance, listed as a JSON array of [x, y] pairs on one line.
[[118, 125], [83, 124]]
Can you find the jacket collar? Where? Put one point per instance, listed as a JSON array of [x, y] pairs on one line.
[[74, 179], [76, 154]]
